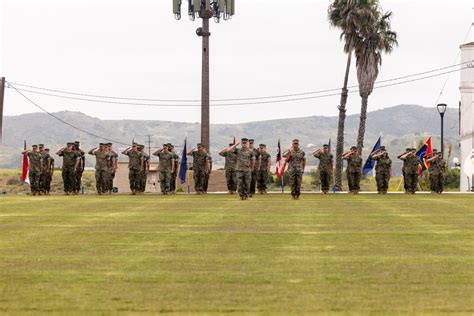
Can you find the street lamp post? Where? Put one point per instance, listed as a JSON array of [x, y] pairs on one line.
[[441, 110], [205, 9]]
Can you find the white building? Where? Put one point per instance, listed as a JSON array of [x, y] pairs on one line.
[[466, 119]]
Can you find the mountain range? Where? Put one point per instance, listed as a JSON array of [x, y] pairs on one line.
[[400, 126]]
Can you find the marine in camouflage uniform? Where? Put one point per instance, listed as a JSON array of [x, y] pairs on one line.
[[174, 174], [135, 165], [71, 161], [101, 168], [411, 163], [325, 167], [245, 165], [200, 167], [354, 170], [146, 168], [165, 168], [383, 170], [111, 167], [437, 170], [404, 168], [296, 159], [207, 175], [34, 169], [80, 169], [230, 164], [49, 177], [264, 162], [253, 181], [45, 169]]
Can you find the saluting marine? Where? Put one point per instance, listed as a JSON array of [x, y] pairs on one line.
[[207, 174], [145, 169], [295, 157], [71, 161], [325, 167], [34, 169], [437, 171], [410, 170], [135, 165], [45, 169], [166, 168], [383, 169], [81, 166], [174, 174], [200, 167], [253, 180], [245, 165], [230, 172], [49, 174], [112, 165], [353, 170], [101, 168]]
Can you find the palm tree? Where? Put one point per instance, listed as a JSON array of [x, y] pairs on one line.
[[368, 51], [354, 18]]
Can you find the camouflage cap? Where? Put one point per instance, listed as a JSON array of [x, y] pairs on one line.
[[251, 140], [353, 148], [77, 142], [326, 146], [382, 147], [70, 144], [244, 140], [200, 145], [101, 144], [296, 141], [46, 149], [109, 144], [262, 145], [40, 145], [34, 146]]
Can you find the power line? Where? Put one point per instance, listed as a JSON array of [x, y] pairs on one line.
[[242, 103], [214, 100]]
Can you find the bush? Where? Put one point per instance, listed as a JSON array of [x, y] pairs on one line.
[[453, 179]]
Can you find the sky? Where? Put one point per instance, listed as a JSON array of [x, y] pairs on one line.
[[135, 48]]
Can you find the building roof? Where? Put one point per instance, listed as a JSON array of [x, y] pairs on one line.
[[467, 45]]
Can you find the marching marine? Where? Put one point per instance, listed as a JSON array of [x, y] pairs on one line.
[[295, 157], [80, 169], [437, 171], [245, 165], [45, 169]]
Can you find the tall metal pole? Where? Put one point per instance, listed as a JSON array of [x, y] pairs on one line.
[[2, 97], [204, 33], [442, 134]]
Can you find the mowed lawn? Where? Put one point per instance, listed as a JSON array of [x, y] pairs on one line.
[[335, 254]]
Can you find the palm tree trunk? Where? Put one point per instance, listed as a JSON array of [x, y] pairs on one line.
[[363, 119], [340, 125]]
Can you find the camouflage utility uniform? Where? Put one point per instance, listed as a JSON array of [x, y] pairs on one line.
[[134, 169], [354, 173], [262, 171], [325, 170], [382, 173], [245, 157], [165, 166], [295, 169], [34, 171], [230, 173], [70, 159], [199, 170]]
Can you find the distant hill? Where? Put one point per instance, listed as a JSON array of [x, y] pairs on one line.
[[400, 127]]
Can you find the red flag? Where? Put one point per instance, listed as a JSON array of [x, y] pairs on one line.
[[24, 173], [280, 169], [423, 154]]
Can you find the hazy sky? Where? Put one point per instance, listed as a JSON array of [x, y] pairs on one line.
[[135, 48]]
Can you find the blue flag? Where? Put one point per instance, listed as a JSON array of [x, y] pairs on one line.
[[370, 163], [184, 164]]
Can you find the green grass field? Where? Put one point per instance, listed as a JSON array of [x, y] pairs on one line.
[[335, 254]]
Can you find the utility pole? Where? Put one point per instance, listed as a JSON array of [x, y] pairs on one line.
[[205, 9], [2, 98], [149, 145]]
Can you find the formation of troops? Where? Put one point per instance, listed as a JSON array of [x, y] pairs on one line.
[[247, 168]]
